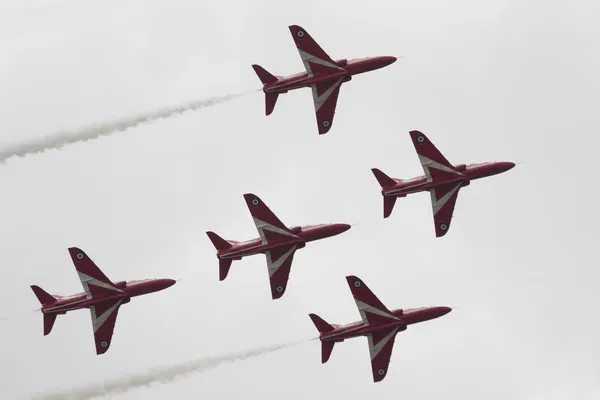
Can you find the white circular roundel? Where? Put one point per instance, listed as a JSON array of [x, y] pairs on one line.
[[357, 284], [420, 139], [326, 123], [300, 33], [443, 227], [255, 202], [103, 343], [80, 256], [381, 371], [279, 289]]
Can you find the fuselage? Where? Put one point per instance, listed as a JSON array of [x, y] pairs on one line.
[[129, 289], [405, 317], [350, 68], [305, 234], [470, 172]]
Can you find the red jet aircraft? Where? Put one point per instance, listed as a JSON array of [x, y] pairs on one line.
[[101, 296], [378, 324], [442, 179], [323, 75], [276, 241]]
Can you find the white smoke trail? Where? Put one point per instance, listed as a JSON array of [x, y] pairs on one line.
[[162, 375], [59, 139]]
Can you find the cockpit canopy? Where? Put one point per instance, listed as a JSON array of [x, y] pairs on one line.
[[461, 167], [342, 62], [121, 284]]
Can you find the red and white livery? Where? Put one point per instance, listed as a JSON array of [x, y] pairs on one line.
[[277, 242], [379, 324], [101, 296], [442, 180], [323, 75]]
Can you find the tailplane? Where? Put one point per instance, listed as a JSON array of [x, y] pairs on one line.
[[45, 299], [385, 182], [218, 241], [326, 345], [221, 244], [265, 76], [43, 296], [383, 179]]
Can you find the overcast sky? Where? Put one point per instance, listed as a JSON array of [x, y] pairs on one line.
[[486, 81]]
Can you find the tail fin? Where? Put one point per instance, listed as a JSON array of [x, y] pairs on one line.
[[49, 322], [320, 323], [270, 100], [43, 297], [388, 205], [383, 179], [224, 265], [218, 241], [326, 345], [265, 76]]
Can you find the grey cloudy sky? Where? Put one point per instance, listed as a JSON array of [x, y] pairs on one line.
[[495, 80]]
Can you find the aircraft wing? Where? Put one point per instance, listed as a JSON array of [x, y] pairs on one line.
[[279, 263], [94, 282], [269, 227], [372, 311], [315, 60], [104, 317], [443, 200], [381, 344], [434, 164], [325, 96]]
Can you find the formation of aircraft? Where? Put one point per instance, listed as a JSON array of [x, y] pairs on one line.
[[442, 180], [379, 324], [323, 75], [100, 295], [277, 242]]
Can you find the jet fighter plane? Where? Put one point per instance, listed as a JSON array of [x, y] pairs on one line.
[[442, 179], [101, 296], [323, 75], [277, 242], [378, 324]]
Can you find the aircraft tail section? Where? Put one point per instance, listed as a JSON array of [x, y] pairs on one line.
[[326, 345], [265, 76], [326, 349], [218, 241], [388, 205], [270, 100], [320, 323], [382, 178], [224, 265], [49, 322], [43, 296]]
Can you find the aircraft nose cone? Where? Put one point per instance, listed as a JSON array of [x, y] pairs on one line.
[[510, 165], [165, 283], [387, 60], [341, 228], [445, 310]]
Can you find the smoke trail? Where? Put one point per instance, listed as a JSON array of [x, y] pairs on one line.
[[59, 139], [165, 374]]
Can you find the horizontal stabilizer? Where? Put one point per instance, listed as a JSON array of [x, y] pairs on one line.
[[326, 349], [265, 76], [43, 297], [320, 323], [224, 265], [383, 179], [388, 205], [218, 241], [270, 100], [49, 322]]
